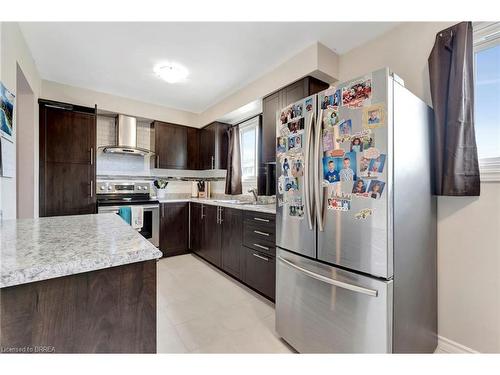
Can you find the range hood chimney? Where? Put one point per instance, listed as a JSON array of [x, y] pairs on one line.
[[126, 138]]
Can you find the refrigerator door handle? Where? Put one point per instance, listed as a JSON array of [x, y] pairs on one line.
[[307, 182], [318, 189], [340, 284]]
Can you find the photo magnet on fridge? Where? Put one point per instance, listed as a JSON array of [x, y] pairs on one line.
[[331, 167], [281, 145], [330, 118], [339, 204], [309, 104], [285, 166], [377, 165], [291, 184], [345, 128], [337, 153], [328, 143], [348, 170], [296, 211], [296, 126], [295, 142], [357, 94], [331, 101], [375, 189], [359, 188], [290, 113], [374, 116], [298, 166]]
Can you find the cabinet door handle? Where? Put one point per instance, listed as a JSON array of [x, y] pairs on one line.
[[202, 214], [92, 156], [157, 161], [261, 257], [213, 162], [261, 247], [261, 219], [220, 215], [91, 188], [261, 233]]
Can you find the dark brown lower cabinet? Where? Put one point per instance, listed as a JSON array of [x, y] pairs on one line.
[[221, 235], [195, 228], [210, 243], [260, 272], [174, 228], [232, 241], [111, 310]]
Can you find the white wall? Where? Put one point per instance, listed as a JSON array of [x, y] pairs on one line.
[[76, 95], [14, 53], [316, 60], [468, 228]]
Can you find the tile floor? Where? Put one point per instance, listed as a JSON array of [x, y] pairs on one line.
[[202, 310]]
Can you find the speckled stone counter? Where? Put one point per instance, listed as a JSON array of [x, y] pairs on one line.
[[45, 248], [267, 208]]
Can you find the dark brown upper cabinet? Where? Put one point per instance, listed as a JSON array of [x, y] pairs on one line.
[[193, 148], [270, 105], [170, 145], [213, 146], [276, 101], [67, 159]]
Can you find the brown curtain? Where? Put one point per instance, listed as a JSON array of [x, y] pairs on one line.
[[233, 177], [452, 88]]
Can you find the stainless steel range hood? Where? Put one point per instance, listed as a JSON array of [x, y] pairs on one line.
[[126, 138]]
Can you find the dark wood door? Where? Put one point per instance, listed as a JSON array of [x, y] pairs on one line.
[[69, 136], [210, 246], [193, 148], [170, 145], [260, 272], [67, 159], [207, 147], [174, 228], [196, 229], [68, 189], [231, 241]]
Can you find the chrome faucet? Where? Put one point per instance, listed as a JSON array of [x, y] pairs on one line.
[[254, 192]]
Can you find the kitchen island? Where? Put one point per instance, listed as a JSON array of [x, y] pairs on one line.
[[77, 284]]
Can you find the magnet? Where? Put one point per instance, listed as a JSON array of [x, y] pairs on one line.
[[364, 213], [374, 116], [375, 189], [357, 94], [339, 204]]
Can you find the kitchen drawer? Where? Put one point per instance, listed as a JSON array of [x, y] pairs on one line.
[[260, 272], [262, 219], [259, 238]]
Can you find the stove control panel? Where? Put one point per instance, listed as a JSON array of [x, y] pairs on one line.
[[121, 187]]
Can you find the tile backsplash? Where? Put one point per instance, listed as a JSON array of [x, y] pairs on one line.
[[119, 163], [133, 166]]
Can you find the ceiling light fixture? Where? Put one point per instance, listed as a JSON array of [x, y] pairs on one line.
[[171, 72]]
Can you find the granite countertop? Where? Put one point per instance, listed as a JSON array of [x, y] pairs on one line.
[[45, 248], [266, 208]]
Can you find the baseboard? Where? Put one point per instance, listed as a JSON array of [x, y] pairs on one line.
[[447, 346]]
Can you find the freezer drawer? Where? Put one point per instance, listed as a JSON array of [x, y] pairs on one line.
[[323, 309]]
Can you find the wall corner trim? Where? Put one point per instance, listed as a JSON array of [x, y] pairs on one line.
[[447, 346]]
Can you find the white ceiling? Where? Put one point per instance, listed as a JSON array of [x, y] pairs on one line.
[[118, 58]]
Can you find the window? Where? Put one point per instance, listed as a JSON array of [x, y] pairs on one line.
[[487, 97], [249, 144]]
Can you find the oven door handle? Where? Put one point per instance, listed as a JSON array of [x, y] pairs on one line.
[[116, 208]]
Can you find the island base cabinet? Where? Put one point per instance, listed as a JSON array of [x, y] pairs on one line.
[[260, 272], [106, 311]]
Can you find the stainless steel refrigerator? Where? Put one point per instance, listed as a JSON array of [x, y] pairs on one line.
[[356, 220]]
